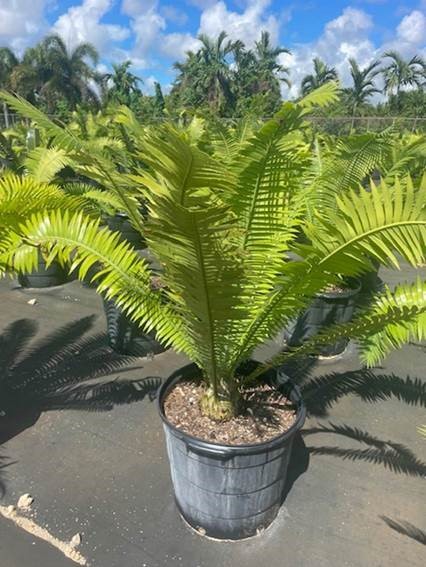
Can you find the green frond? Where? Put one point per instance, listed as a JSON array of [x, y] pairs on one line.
[[97, 199], [406, 156], [20, 197], [323, 96], [382, 223], [43, 164], [189, 232], [61, 137], [228, 142], [394, 317], [269, 168], [86, 158], [346, 166], [80, 243], [375, 347], [128, 119]]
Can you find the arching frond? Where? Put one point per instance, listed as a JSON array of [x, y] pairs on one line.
[[43, 164], [81, 243], [96, 199], [20, 197], [349, 163], [382, 223], [323, 96], [391, 321], [408, 298]]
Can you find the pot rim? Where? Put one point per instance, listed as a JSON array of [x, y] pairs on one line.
[[344, 294], [222, 448]]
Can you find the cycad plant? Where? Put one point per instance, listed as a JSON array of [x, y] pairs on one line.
[[221, 227]]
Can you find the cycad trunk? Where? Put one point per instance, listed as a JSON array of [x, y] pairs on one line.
[[221, 401]]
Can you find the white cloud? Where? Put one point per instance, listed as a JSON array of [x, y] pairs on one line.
[[246, 25], [175, 45], [82, 23], [148, 86], [348, 36], [174, 15], [344, 37], [412, 28], [151, 40], [22, 22]]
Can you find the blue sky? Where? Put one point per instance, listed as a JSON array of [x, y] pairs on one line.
[[154, 33]]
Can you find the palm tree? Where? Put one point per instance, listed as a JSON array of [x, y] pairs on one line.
[[322, 74], [124, 84], [363, 84], [159, 102], [400, 73], [31, 74], [8, 62], [69, 73], [217, 74], [266, 57]]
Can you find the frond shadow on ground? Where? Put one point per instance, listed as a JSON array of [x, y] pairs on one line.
[[4, 463], [406, 528], [392, 456], [67, 369], [322, 393]]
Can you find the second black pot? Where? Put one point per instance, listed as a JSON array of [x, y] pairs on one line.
[[120, 223], [44, 276], [126, 337], [223, 491], [326, 309]]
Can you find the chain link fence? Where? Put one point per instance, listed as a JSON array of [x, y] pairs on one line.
[[341, 125], [338, 125]]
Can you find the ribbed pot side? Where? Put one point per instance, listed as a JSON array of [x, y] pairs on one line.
[[44, 276], [228, 492], [126, 337], [326, 309]]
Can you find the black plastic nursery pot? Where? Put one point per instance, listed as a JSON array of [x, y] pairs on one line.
[[44, 276], [125, 337], [229, 492], [326, 309], [120, 223]]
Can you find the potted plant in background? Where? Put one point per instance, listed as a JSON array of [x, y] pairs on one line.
[[339, 166], [334, 304], [220, 229]]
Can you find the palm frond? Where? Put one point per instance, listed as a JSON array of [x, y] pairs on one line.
[[189, 233], [87, 159], [349, 163], [43, 164], [375, 347], [395, 317], [323, 96], [381, 223], [20, 197], [80, 242], [97, 199], [61, 137]]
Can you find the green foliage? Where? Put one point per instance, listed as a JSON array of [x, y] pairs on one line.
[[124, 87], [322, 74], [222, 79], [399, 73], [44, 163], [225, 206]]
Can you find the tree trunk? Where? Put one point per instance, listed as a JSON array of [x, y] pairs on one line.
[[6, 115], [353, 118]]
